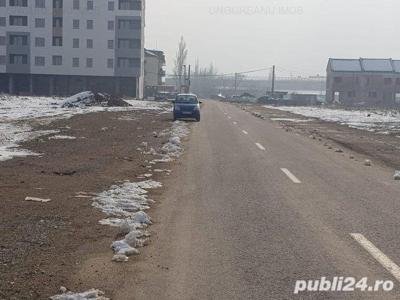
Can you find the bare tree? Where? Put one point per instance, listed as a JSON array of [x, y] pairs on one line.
[[179, 62]]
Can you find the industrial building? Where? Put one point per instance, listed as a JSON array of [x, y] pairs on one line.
[[373, 82]]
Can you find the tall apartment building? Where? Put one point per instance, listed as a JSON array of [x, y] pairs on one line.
[[62, 47]]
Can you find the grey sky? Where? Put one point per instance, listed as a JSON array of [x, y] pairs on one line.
[[296, 35]]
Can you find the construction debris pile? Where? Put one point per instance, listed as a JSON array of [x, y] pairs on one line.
[[88, 98]]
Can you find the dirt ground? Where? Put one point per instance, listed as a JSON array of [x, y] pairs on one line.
[[379, 148], [44, 245]]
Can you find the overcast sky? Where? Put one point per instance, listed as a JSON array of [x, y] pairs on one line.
[[297, 35]]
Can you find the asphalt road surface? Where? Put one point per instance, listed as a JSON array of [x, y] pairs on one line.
[[252, 208]]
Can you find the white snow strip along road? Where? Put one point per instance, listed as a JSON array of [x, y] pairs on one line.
[[261, 147], [291, 176], [385, 261]]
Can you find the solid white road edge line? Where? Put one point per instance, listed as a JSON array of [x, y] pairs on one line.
[[261, 147], [245, 132], [290, 175], [385, 261]]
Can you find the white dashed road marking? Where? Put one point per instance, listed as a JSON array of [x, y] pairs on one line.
[[385, 261], [245, 132], [261, 147], [290, 175], [234, 123]]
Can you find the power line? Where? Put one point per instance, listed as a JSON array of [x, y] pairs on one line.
[[222, 75]]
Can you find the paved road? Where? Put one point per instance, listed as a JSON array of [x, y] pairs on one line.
[[252, 208]]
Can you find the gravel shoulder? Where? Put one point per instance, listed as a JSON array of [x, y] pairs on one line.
[[45, 245], [354, 143]]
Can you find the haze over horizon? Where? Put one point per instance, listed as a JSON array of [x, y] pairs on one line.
[[296, 35]]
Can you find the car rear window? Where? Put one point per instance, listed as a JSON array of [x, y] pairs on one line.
[[186, 99]]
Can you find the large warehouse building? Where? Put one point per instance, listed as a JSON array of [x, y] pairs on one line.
[[61, 47]]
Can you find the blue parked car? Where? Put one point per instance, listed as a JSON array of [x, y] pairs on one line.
[[187, 106]]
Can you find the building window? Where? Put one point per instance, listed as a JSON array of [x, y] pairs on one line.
[[18, 59], [2, 59], [2, 40], [39, 61], [40, 23], [90, 5], [129, 43], [89, 43], [338, 79], [129, 24], [130, 5], [388, 81], [110, 63], [58, 22], [2, 3], [39, 42], [76, 4], [57, 41], [75, 24], [89, 62], [372, 94], [2, 21], [126, 62], [57, 60], [89, 24], [40, 3], [18, 20], [57, 3], [18, 40], [110, 44], [75, 43], [111, 5], [21, 3], [110, 25], [75, 62]]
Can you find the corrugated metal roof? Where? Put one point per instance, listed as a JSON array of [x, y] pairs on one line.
[[377, 65], [346, 65]]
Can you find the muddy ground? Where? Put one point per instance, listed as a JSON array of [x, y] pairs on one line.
[[43, 245], [355, 143]]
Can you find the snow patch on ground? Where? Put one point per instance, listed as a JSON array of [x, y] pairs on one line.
[[18, 114], [292, 120], [62, 137], [379, 121], [149, 105], [89, 295], [125, 205], [173, 149]]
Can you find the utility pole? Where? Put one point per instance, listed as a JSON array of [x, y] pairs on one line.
[[184, 79], [273, 81], [236, 83], [189, 81]]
